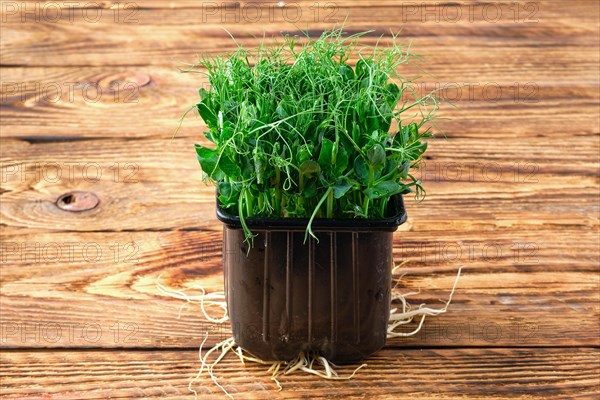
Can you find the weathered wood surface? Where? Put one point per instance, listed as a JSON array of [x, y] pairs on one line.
[[543, 373], [503, 100], [163, 35], [473, 180], [513, 198], [69, 299], [509, 261], [543, 49]]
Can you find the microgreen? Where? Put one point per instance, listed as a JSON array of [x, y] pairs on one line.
[[300, 132]]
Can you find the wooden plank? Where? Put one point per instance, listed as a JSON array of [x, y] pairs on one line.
[[498, 100], [269, 10], [163, 181], [469, 232], [73, 102], [513, 198], [163, 35], [421, 374], [62, 289], [510, 260], [504, 100], [188, 4]]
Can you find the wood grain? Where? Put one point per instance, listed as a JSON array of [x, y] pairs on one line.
[[130, 177], [62, 289], [422, 374], [504, 100], [513, 198], [517, 88], [178, 34], [510, 262]]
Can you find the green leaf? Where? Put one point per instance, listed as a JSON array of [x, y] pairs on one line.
[[210, 135], [358, 211], [361, 170], [247, 166], [229, 166], [304, 153], [326, 155], [228, 194], [405, 134], [208, 116], [404, 168], [280, 111], [363, 68], [341, 187], [371, 120], [383, 189], [260, 164], [208, 159], [231, 110], [413, 131], [227, 131], [421, 149], [204, 94], [391, 168], [376, 157], [356, 135], [347, 73], [341, 161], [385, 119], [309, 168], [365, 82], [310, 189], [225, 189], [393, 95]]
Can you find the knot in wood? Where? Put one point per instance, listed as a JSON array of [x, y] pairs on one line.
[[77, 201]]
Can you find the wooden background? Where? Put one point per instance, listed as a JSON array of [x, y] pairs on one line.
[[90, 97]]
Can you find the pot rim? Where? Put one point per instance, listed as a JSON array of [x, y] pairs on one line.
[[390, 224]]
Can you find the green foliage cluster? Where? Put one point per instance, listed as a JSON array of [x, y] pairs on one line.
[[299, 132]]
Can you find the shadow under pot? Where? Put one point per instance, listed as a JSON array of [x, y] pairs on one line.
[[330, 296]]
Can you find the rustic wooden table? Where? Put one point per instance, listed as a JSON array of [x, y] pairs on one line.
[[90, 97]]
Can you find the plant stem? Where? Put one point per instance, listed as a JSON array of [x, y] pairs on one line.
[[312, 217], [301, 189], [277, 192], [247, 233], [330, 204], [370, 185], [261, 202], [383, 207], [249, 203]]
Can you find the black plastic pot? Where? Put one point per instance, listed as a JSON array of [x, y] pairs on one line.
[[330, 296]]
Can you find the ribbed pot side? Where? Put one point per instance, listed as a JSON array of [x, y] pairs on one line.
[[285, 296]]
